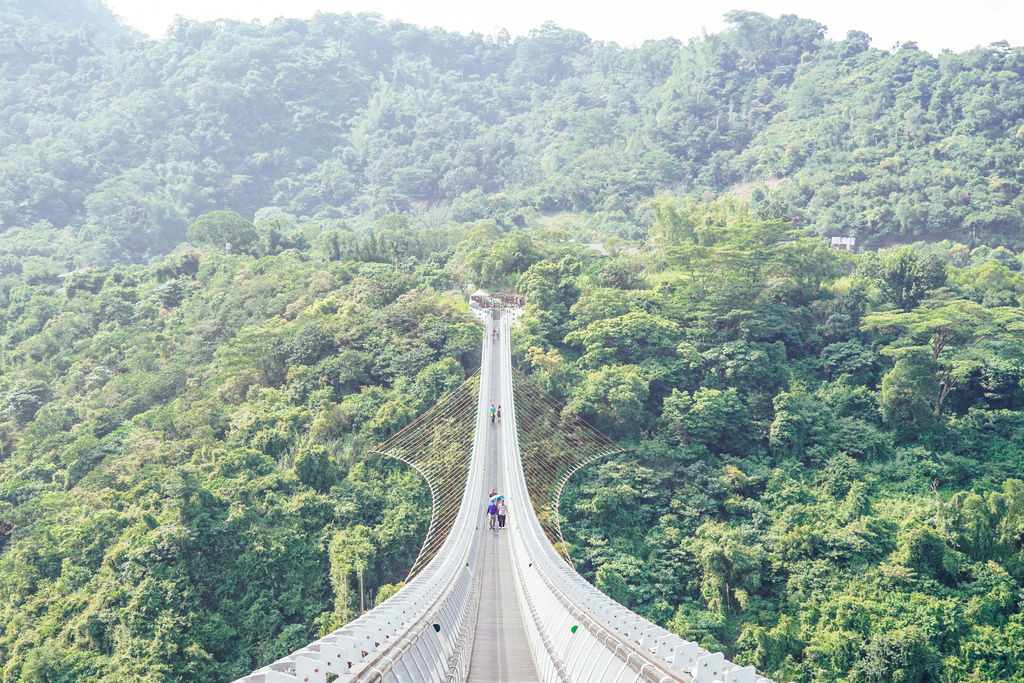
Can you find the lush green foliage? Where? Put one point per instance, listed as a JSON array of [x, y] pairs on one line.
[[184, 488], [112, 144], [827, 467], [825, 477], [826, 474]]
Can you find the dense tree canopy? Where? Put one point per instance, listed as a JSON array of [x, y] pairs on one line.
[[826, 448], [116, 142], [182, 445]]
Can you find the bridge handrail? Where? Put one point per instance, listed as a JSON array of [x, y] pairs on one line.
[[425, 630], [575, 631]]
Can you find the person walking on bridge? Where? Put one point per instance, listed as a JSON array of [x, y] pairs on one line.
[[492, 514], [492, 413], [502, 513], [499, 413]]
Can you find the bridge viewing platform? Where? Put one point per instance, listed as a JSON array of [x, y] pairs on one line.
[[504, 605]]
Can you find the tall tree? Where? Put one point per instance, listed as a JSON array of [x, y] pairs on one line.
[[956, 336]]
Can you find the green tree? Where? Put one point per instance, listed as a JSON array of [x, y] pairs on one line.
[[351, 550], [908, 391], [905, 277], [955, 336], [801, 421], [611, 583], [25, 399], [221, 228], [636, 338], [730, 567], [613, 397], [901, 656], [315, 469], [716, 418], [550, 290]]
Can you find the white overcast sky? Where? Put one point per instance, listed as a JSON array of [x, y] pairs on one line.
[[934, 25]]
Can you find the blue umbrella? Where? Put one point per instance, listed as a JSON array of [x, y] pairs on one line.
[[494, 498]]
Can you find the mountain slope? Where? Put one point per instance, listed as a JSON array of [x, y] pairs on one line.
[[351, 117]]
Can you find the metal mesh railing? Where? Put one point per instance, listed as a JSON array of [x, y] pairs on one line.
[[438, 444], [425, 631], [576, 632], [554, 444]]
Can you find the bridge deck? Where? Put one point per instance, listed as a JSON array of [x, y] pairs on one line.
[[501, 651]]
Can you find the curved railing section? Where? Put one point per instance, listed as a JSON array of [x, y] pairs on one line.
[[576, 632], [425, 631], [553, 444], [439, 445]]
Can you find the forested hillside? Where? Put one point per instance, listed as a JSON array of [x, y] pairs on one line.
[[825, 475], [112, 143], [827, 469], [185, 492]]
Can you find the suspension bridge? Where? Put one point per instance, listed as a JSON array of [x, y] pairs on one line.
[[503, 605]]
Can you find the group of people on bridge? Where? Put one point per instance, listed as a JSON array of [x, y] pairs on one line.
[[495, 413], [497, 511]]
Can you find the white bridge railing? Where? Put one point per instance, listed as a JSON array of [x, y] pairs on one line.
[[576, 632], [425, 631]]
